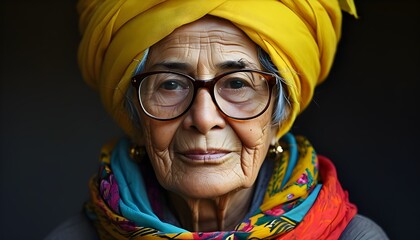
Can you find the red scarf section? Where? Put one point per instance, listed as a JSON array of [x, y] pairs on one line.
[[331, 212]]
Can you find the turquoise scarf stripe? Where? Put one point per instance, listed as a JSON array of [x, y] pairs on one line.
[[134, 203], [299, 212], [293, 157]]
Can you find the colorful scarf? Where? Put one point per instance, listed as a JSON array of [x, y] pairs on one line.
[[125, 197]]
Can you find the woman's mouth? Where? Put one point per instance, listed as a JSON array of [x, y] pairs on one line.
[[210, 156]]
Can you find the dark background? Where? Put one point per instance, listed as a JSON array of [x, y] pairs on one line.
[[364, 117]]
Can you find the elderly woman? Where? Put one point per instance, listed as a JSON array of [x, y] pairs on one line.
[[206, 92]]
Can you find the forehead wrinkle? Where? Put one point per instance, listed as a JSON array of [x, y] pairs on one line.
[[206, 37], [207, 49]]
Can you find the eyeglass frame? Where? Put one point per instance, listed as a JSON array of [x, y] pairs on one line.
[[207, 84]]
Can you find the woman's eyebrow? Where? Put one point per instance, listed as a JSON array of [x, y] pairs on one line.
[[239, 64], [181, 66]]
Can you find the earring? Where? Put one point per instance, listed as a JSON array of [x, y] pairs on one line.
[[137, 153], [275, 150]]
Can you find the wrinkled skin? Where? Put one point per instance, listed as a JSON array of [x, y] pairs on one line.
[[207, 161]]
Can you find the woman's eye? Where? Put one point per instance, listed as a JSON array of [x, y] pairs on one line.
[[171, 85], [236, 83]]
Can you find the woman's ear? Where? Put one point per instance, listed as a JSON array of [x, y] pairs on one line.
[[273, 134], [132, 107], [138, 136]]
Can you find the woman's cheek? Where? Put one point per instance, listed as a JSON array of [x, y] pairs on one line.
[[161, 134], [252, 135], [255, 143]]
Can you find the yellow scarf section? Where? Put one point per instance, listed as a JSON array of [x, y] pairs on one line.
[[300, 36]]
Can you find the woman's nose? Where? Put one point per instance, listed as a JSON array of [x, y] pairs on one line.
[[204, 114]]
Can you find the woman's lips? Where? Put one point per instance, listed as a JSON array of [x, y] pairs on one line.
[[205, 156]]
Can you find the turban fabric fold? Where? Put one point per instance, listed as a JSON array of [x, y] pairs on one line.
[[300, 36]]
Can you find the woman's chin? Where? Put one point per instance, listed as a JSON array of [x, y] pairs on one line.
[[205, 188]]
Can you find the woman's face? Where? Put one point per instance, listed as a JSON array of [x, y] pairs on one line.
[[204, 154]]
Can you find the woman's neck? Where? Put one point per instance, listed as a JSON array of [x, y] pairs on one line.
[[218, 214]]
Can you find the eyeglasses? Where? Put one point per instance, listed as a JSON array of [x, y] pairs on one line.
[[240, 94]]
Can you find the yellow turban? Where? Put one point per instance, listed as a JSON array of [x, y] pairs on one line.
[[300, 36]]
